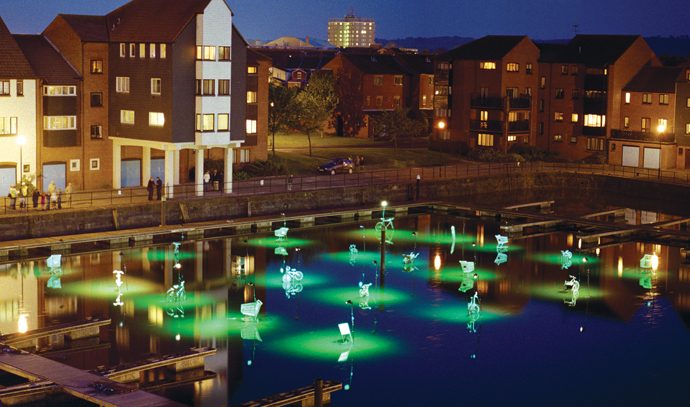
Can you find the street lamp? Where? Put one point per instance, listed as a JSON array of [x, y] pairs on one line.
[[21, 140]]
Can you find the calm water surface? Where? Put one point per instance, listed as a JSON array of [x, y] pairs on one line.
[[622, 341]]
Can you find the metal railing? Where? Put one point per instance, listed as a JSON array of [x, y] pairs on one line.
[[383, 177]]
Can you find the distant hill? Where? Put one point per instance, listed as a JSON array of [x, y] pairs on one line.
[[662, 46]]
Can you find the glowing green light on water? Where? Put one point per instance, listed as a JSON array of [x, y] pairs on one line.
[[326, 344], [456, 275], [105, 288], [362, 258], [555, 291], [555, 258], [271, 242], [489, 247], [457, 313], [222, 326], [337, 296], [162, 254]]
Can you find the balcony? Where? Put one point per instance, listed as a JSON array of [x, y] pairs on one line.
[[491, 102], [593, 131], [520, 126], [643, 136], [595, 105]]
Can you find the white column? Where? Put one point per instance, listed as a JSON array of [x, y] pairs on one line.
[[176, 167], [117, 165], [227, 172], [145, 165], [199, 173], [169, 185]]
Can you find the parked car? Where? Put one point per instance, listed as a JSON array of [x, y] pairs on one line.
[[337, 164]]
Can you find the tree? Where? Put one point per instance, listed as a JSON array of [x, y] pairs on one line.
[[349, 108], [282, 110], [397, 124], [316, 104]]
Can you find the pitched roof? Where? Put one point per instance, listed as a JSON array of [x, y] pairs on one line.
[[88, 28], [416, 63], [46, 61], [489, 47], [656, 79], [308, 59], [552, 53], [375, 64], [600, 50], [152, 20], [13, 63]]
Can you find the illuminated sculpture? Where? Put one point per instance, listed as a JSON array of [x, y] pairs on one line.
[[345, 333], [292, 281], [385, 224], [649, 261], [251, 309], [176, 296], [572, 284], [54, 261], [250, 331], [566, 259], [408, 261], [573, 300], [364, 290], [54, 279], [452, 236], [280, 251], [290, 274], [353, 249], [118, 283], [646, 280], [473, 310], [501, 242], [501, 258], [467, 266], [467, 283], [281, 233]]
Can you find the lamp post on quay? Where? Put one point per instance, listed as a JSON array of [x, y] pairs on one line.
[[21, 140]]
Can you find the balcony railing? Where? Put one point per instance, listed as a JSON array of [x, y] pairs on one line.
[[593, 131], [643, 136], [520, 126], [596, 82], [492, 102], [492, 126]]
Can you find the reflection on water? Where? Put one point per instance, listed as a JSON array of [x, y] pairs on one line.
[[418, 329]]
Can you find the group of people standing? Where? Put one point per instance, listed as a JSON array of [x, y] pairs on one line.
[[213, 180], [51, 199], [157, 185]]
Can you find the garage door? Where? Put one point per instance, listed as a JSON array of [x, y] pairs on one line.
[[631, 156], [651, 158], [8, 177], [131, 173], [55, 173]]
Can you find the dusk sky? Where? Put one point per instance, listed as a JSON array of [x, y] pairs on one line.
[[540, 19]]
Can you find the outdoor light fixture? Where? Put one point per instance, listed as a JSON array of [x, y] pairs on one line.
[[441, 125], [655, 262], [23, 323]]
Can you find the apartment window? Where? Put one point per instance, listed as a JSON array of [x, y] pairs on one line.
[[96, 131], [396, 101], [512, 67], [122, 84], [223, 87], [558, 116], [132, 50], [96, 66], [94, 164], [223, 53], [528, 91], [367, 101], [542, 82], [96, 99], [557, 138], [378, 80], [595, 120], [8, 125], [205, 87], [687, 102], [511, 92], [152, 51], [59, 90], [4, 88], [251, 69], [60, 122], [251, 97], [488, 65], [243, 155], [687, 128], [251, 126], [163, 52], [595, 144], [576, 93], [564, 69], [626, 122], [663, 99], [123, 50], [540, 128], [627, 98], [512, 138], [379, 101], [127, 116], [156, 119], [223, 122], [483, 115], [205, 53], [646, 98], [398, 80], [512, 117], [484, 92], [205, 122], [156, 86], [646, 122], [528, 69], [142, 50], [20, 87], [687, 74], [661, 125], [560, 93], [573, 139], [574, 118], [485, 139]]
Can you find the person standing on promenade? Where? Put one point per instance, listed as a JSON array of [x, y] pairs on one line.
[[149, 188], [159, 188], [68, 195]]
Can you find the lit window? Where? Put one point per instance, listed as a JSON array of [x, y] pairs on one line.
[[96, 66], [542, 82], [20, 87], [512, 67], [8, 125], [512, 138], [528, 69], [573, 139], [205, 87], [483, 115], [59, 90], [251, 97], [595, 120], [163, 51], [251, 126], [4, 88], [396, 101], [661, 125], [558, 138], [646, 122], [205, 122], [223, 53], [243, 155], [487, 65], [626, 122], [132, 50], [251, 69], [156, 86], [142, 50], [127, 116], [564, 69], [378, 80], [223, 121], [663, 99], [205, 53], [60, 122], [156, 119], [398, 80], [687, 128], [122, 84], [484, 139], [558, 116], [223, 87], [573, 118], [123, 50], [512, 117], [627, 98], [646, 98], [152, 51]]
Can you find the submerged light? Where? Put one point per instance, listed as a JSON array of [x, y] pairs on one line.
[[437, 262]]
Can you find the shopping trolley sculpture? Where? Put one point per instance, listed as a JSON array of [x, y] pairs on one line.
[[251, 309], [467, 266]]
